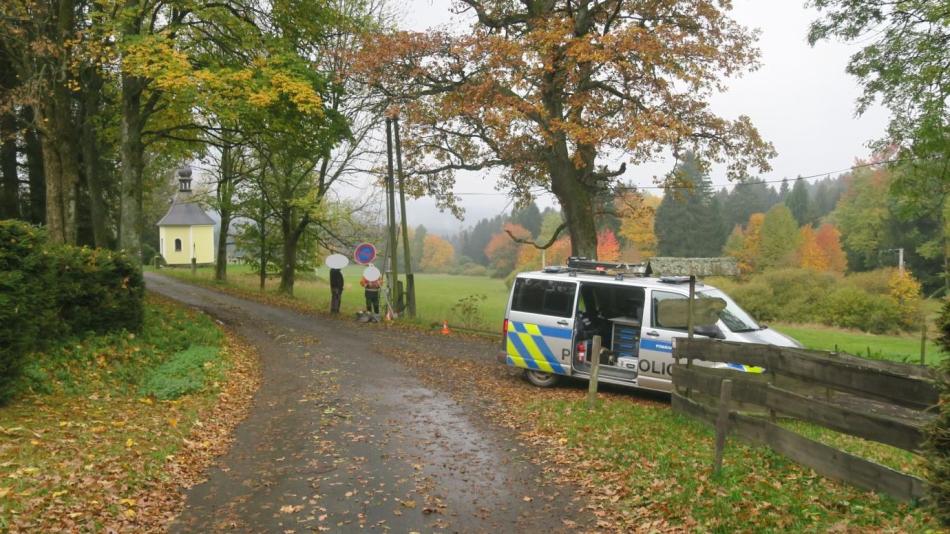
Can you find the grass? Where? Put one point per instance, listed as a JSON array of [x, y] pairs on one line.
[[757, 490], [438, 293], [904, 348], [85, 435]]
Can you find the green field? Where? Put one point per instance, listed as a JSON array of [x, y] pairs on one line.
[[437, 294]]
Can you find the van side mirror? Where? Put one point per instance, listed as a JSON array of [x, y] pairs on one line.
[[709, 330]]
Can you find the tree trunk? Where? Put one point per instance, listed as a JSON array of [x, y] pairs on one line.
[[92, 162], [10, 185], [576, 203], [221, 255], [9, 181], [61, 165], [288, 268], [131, 225], [225, 194], [36, 174]]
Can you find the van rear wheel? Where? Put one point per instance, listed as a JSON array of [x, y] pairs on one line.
[[541, 379]]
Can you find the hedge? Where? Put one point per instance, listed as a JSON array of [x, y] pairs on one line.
[[937, 446], [51, 292]]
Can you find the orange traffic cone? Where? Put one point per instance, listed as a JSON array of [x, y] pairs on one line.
[[445, 328]]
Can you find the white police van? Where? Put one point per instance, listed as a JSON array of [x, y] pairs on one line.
[[553, 315]]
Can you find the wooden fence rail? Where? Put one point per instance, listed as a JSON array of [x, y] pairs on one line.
[[879, 401]]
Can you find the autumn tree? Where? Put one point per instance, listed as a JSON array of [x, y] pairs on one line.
[[40, 45], [902, 63], [744, 244], [608, 248], [828, 239], [549, 91], [502, 250], [638, 214], [437, 254], [809, 253]]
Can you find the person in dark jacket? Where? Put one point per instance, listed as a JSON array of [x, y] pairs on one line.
[[336, 290]]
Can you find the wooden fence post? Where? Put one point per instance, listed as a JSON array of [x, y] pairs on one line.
[[722, 423], [923, 343], [594, 371]]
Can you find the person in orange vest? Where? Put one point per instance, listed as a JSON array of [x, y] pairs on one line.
[[371, 292]]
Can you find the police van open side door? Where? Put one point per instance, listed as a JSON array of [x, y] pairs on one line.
[[541, 324]]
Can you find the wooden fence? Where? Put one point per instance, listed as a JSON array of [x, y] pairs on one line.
[[880, 401]]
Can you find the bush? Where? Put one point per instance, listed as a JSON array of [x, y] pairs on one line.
[[468, 309], [474, 269], [937, 444], [50, 292], [27, 304], [880, 301], [849, 307], [943, 327], [97, 290]]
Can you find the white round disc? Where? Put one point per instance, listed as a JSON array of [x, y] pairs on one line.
[[372, 274], [337, 261]]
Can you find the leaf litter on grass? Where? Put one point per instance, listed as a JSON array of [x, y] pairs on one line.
[[110, 460], [642, 468]]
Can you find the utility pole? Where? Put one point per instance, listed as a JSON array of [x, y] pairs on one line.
[[410, 277], [391, 203], [900, 257]]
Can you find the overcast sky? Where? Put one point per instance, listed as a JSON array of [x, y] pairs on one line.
[[801, 99]]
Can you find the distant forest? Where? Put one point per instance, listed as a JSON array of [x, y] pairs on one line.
[[846, 223]]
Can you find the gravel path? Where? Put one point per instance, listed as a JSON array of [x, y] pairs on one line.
[[341, 438]]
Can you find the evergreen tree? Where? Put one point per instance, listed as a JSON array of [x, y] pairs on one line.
[[783, 191], [475, 240], [797, 202], [687, 223], [529, 217], [417, 246], [746, 198]]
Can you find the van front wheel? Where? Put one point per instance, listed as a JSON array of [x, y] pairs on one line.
[[541, 379]]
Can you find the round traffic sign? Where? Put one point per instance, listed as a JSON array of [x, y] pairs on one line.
[[364, 254]]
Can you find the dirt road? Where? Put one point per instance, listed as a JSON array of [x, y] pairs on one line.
[[341, 438]]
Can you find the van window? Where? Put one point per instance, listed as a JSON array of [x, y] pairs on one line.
[[669, 321], [545, 297]]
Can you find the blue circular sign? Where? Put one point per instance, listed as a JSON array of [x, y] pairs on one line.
[[364, 254]]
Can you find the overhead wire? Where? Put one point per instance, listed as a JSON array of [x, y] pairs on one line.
[[826, 174]]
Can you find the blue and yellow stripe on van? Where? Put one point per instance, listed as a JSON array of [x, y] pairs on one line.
[[746, 368], [526, 347]]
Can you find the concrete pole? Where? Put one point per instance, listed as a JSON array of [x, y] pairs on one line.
[[391, 202], [410, 278]]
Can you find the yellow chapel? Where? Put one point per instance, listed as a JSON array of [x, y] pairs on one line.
[[186, 231]]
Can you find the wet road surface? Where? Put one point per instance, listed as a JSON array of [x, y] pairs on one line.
[[342, 439]]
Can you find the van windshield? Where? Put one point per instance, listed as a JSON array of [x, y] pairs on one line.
[[735, 318]]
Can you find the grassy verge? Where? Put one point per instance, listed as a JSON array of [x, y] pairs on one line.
[[108, 426], [438, 293], [671, 472], [641, 467]]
